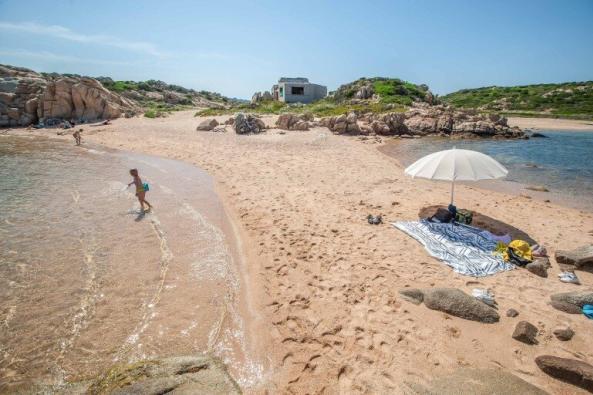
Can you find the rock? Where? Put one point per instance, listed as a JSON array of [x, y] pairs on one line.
[[186, 375], [575, 298], [219, 129], [537, 188], [563, 333], [473, 381], [571, 371], [256, 98], [525, 332], [455, 302], [578, 257], [294, 121], [538, 135], [229, 121], [538, 268], [248, 124], [207, 124], [412, 295], [566, 307], [365, 92], [512, 313]]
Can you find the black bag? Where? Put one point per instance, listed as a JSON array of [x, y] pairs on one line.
[[442, 215], [516, 259]]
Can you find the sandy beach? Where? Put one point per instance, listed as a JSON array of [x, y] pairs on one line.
[[326, 283], [551, 124]]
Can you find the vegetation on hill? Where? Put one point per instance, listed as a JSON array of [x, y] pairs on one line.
[[566, 100], [378, 95]]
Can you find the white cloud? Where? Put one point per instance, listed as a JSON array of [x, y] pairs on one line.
[[67, 34], [50, 56]]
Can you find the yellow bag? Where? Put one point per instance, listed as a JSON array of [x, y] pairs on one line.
[[520, 248]]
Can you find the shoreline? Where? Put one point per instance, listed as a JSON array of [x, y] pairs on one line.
[[557, 124], [229, 336], [508, 187], [326, 282]]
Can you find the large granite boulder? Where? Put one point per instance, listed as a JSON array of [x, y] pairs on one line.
[[571, 371], [572, 300], [456, 302], [207, 124], [365, 92], [179, 375], [577, 257], [294, 121], [248, 124], [452, 301]]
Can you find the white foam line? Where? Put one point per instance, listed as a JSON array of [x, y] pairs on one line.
[[218, 259]]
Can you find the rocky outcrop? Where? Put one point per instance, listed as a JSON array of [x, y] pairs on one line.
[[207, 124], [578, 257], [343, 124], [27, 97], [365, 92], [453, 301], [423, 119], [184, 375], [294, 121], [571, 371], [248, 124], [525, 332], [259, 97]]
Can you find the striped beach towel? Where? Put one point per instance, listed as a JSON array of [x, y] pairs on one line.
[[460, 246]]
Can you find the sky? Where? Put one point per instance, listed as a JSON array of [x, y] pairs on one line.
[[240, 47]]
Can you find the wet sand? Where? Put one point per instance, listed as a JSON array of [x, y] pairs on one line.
[[551, 124], [326, 282], [166, 283]]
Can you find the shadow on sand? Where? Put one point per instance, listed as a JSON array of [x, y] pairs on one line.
[[485, 222]]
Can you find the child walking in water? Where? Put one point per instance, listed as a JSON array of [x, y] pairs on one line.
[[140, 189], [77, 136]]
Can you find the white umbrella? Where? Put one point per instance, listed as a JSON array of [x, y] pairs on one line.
[[456, 165]]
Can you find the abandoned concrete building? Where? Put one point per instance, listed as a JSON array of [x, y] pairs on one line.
[[297, 90]]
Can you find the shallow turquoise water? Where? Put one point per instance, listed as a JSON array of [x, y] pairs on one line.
[[563, 162]]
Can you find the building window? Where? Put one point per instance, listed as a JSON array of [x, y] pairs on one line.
[[281, 92], [298, 90]]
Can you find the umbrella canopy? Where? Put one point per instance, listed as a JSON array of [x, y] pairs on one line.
[[456, 165]]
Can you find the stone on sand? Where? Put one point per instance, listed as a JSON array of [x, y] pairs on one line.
[[575, 298], [564, 333], [248, 124], [512, 313], [412, 295], [456, 302], [207, 124], [538, 267], [185, 375], [578, 257], [525, 332], [475, 382], [571, 371]]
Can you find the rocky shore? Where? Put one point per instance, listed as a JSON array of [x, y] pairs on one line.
[[27, 97]]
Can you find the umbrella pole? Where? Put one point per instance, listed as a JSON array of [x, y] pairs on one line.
[[452, 191]]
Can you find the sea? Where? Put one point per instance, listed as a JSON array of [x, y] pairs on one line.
[[87, 280], [562, 162]]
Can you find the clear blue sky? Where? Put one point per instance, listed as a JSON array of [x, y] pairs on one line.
[[238, 47]]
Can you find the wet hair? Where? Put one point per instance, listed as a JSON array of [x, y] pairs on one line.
[[134, 172]]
